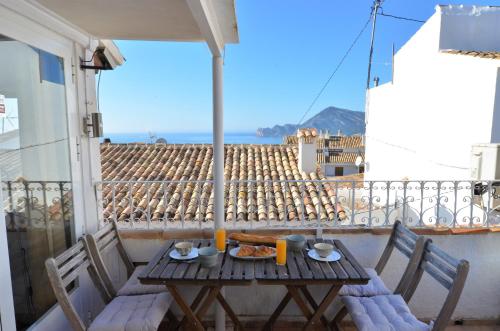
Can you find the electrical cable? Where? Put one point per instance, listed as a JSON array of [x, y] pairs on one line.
[[412, 151], [400, 17], [336, 69], [98, 89], [33, 146]]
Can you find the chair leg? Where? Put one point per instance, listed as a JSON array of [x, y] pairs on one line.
[[335, 323], [173, 322]]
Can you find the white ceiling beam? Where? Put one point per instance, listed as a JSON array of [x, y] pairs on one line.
[[205, 17]]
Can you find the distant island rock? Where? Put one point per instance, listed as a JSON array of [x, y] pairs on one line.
[[332, 119]]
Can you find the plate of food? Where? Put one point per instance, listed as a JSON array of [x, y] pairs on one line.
[[247, 252]]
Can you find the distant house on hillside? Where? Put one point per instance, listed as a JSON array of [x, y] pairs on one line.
[[444, 98], [335, 155]]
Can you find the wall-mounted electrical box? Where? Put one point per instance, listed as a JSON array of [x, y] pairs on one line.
[[485, 162]]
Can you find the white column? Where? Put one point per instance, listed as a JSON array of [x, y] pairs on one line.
[[218, 143]]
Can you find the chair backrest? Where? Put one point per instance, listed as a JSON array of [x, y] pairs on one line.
[[102, 242], [63, 271], [447, 271], [410, 245]]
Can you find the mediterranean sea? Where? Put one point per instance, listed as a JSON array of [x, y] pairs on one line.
[[190, 138]]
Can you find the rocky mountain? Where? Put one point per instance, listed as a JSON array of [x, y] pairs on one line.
[[332, 119]]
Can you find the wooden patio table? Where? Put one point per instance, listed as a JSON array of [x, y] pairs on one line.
[[301, 271], [172, 273]]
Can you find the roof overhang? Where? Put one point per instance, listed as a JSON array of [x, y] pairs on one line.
[[208, 21], [494, 55]]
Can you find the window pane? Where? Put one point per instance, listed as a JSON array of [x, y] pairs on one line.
[[35, 171]]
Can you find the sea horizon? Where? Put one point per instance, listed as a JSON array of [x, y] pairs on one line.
[[190, 138]]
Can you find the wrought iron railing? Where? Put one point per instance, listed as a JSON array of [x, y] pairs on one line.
[[37, 204], [302, 203]]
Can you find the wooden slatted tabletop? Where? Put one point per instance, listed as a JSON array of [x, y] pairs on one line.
[[299, 272], [301, 269], [228, 271], [298, 269]]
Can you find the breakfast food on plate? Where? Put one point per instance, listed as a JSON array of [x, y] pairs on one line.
[[246, 250], [263, 251], [253, 238], [252, 251]]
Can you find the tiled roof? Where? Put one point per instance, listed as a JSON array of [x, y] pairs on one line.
[[258, 201], [482, 54], [341, 142], [332, 142], [307, 132], [308, 135], [338, 158]]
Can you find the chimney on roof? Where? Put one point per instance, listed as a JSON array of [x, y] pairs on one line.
[[307, 149]]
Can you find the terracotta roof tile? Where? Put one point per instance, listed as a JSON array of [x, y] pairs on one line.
[[253, 190], [341, 142], [339, 158], [482, 54]]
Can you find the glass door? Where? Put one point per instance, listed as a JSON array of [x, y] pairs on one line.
[[35, 170]]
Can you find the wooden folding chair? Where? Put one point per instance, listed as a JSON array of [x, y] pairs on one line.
[[100, 243], [407, 243], [391, 312], [143, 312]]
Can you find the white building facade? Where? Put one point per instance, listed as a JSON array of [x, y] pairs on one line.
[[444, 98]]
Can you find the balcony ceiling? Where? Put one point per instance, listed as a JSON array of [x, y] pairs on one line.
[[163, 20]]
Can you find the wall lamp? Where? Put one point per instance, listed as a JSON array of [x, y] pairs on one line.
[[106, 57]]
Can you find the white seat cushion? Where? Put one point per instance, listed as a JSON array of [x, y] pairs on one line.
[[374, 287], [134, 287], [382, 313], [133, 313]]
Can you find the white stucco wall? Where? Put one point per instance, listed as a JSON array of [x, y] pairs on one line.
[[422, 125], [307, 156], [329, 169]]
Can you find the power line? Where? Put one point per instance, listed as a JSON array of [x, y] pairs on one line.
[[336, 69], [400, 17], [33, 146]]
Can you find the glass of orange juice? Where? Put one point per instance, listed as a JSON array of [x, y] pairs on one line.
[[281, 251], [220, 239]]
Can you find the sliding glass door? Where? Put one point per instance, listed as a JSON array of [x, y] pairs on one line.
[[35, 170]]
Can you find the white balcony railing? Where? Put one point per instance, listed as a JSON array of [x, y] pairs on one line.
[[302, 203]]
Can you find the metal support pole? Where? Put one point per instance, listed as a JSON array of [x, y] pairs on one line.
[[376, 6], [218, 145]]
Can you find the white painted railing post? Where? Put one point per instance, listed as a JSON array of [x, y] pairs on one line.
[[218, 145]]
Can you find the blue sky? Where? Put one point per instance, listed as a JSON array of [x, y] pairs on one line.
[[286, 52]]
